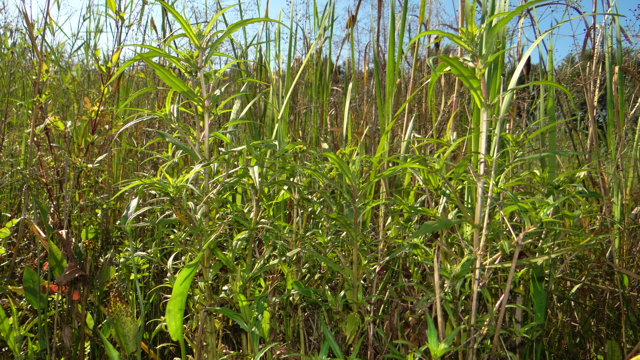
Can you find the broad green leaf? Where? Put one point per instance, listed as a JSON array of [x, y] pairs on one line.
[[57, 263], [31, 282], [111, 5], [123, 324], [178, 301], [5, 327], [613, 350], [265, 325], [115, 57], [7, 331], [88, 233], [6, 230], [88, 319], [246, 311], [106, 274], [352, 327]]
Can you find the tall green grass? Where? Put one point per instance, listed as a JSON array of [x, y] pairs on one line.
[[246, 186]]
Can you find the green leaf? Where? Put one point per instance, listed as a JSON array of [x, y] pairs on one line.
[[246, 310], [467, 75], [111, 351], [352, 327], [613, 350], [57, 263], [129, 211], [178, 301], [328, 337], [214, 19], [538, 294], [342, 166], [6, 331], [457, 40], [551, 84], [123, 323], [225, 259], [184, 24], [434, 226], [330, 263], [301, 289], [446, 343], [31, 282], [432, 338], [254, 171], [232, 29], [507, 17], [106, 274], [6, 230], [180, 145], [170, 79], [88, 319], [265, 325], [111, 5], [234, 316], [264, 350]]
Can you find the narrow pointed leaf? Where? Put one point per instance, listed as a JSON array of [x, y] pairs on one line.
[[184, 24], [178, 301], [434, 226], [179, 144]]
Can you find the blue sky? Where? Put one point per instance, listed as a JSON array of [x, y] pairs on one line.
[[563, 40]]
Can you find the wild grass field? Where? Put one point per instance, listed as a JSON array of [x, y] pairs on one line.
[[362, 180]]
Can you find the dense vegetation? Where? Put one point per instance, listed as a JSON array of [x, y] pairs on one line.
[[208, 183]]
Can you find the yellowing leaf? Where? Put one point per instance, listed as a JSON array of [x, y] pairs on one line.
[[111, 5]]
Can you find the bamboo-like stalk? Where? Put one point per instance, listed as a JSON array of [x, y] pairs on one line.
[[505, 298], [436, 284]]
